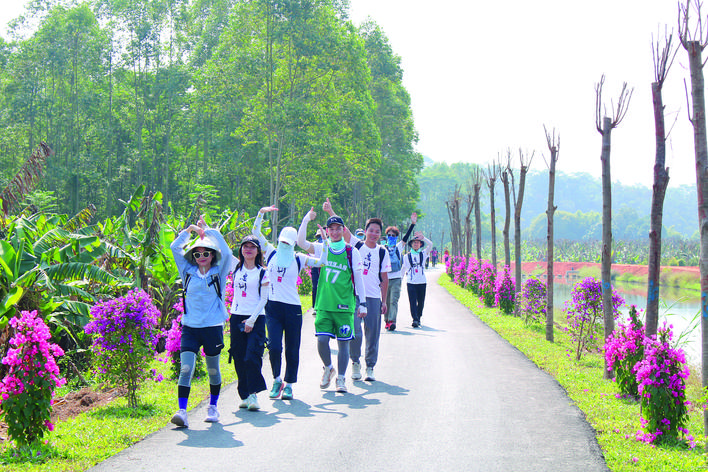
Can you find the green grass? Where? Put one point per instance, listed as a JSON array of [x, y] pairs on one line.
[[82, 442], [615, 420]]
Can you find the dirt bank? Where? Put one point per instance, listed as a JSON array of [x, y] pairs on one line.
[[561, 269]]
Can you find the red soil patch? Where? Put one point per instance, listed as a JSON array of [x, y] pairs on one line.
[[562, 268]]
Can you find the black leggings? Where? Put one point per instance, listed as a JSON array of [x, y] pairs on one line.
[[416, 298]]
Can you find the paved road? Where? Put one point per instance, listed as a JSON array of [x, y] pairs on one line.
[[450, 396]]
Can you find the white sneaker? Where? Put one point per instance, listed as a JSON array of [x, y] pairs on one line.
[[253, 402], [180, 419], [341, 384], [327, 377], [370, 374], [356, 371], [244, 403], [212, 415]]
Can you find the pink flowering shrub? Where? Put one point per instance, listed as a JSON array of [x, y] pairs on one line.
[[486, 283], [585, 316], [471, 279], [504, 292], [304, 281], [28, 388], [124, 334], [661, 377], [624, 349], [533, 302]]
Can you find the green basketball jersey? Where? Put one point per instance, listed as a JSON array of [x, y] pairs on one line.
[[335, 291]]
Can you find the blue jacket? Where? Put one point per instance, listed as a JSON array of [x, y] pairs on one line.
[[203, 307]]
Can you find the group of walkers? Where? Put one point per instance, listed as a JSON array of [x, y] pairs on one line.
[[356, 281]]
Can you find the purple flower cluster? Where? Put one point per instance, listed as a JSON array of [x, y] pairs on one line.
[[486, 283], [624, 349], [124, 336], [585, 314], [28, 388], [532, 303], [505, 292]]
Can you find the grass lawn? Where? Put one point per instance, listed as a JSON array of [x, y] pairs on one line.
[[614, 419]]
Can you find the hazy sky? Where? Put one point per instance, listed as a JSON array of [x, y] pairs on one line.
[[486, 76]]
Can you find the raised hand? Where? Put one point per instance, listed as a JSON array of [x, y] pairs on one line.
[[327, 207], [414, 218], [268, 209], [312, 214]]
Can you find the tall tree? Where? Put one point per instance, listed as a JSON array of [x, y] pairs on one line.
[[476, 186], [604, 126], [553, 143], [506, 175], [524, 164], [694, 42], [491, 178], [663, 58]]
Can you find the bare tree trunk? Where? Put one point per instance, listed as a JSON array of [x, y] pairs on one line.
[[468, 225], [662, 62], [698, 120], [605, 129], [492, 174], [478, 223], [507, 218], [553, 147], [518, 201]]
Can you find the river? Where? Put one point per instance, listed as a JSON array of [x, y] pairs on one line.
[[678, 307]]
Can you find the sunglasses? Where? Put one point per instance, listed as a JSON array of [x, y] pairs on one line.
[[198, 254], [392, 235]]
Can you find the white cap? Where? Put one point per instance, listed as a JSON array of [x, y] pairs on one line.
[[288, 235]]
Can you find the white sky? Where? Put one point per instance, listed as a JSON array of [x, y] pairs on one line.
[[485, 76]]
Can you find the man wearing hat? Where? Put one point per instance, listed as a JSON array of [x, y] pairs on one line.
[[340, 294], [414, 268]]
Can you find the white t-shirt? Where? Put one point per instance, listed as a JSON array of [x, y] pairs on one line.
[[370, 261], [415, 272], [246, 293], [283, 281]]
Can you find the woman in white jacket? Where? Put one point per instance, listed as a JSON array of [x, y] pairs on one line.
[[414, 268]]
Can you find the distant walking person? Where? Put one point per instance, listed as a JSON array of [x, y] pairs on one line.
[[283, 310], [396, 249], [203, 268], [341, 283], [414, 268]]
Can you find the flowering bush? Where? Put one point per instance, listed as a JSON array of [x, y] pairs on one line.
[[584, 314], [304, 282], [486, 283], [624, 350], [661, 377], [533, 303], [504, 292], [470, 270], [28, 388], [124, 331]]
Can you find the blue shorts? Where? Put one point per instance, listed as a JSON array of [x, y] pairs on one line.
[[211, 337]]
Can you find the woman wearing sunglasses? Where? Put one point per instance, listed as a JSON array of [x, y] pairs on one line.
[[283, 310], [203, 264]]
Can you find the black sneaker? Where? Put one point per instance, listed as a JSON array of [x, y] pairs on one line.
[[416, 324], [392, 327]]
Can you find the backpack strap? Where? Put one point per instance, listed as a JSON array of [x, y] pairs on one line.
[[382, 254], [272, 254], [348, 250], [215, 280], [421, 258], [185, 283], [261, 274], [358, 244]]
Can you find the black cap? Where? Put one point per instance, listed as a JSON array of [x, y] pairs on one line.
[[251, 239], [334, 220]]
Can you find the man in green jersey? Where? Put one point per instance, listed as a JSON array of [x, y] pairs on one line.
[[340, 294]]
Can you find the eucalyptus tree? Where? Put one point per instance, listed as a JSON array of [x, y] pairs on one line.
[[604, 125], [663, 58], [553, 143], [694, 41]]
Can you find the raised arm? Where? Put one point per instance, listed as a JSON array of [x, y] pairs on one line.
[[257, 232], [302, 232], [414, 220], [327, 208]]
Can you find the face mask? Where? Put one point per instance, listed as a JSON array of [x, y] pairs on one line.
[[392, 240], [285, 255], [338, 245], [415, 252]]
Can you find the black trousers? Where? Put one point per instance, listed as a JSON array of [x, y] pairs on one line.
[[416, 298]]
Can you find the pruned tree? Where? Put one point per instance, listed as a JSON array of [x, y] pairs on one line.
[[524, 164], [553, 142], [453, 213], [604, 125], [694, 42], [506, 175], [468, 223], [491, 177], [476, 185], [663, 58]]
